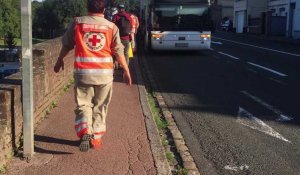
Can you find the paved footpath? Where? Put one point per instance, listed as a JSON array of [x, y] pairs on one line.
[[125, 149]]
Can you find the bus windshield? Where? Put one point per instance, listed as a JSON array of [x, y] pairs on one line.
[[180, 18]]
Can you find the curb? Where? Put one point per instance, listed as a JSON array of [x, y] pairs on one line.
[[181, 147], [160, 160]]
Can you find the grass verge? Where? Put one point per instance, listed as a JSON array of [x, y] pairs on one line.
[[171, 153], [161, 124], [3, 169]]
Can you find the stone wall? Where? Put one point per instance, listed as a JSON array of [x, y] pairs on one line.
[[47, 86]]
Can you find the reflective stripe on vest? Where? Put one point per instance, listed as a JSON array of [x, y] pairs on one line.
[[94, 71], [94, 60], [94, 27]]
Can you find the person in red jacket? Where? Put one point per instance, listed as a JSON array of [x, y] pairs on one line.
[[123, 20], [96, 40]]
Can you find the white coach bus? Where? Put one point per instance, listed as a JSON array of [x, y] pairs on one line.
[[176, 24]]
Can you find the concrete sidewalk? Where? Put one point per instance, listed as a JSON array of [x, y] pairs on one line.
[[126, 147]]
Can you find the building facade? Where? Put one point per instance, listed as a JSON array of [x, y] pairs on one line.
[[221, 9], [285, 17], [271, 17], [227, 8], [245, 11], [294, 24]]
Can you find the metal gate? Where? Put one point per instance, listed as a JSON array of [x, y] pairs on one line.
[[278, 25]]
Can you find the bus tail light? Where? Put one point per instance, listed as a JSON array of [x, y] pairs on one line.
[[157, 36], [205, 36]]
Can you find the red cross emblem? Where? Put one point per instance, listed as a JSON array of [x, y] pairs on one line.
[[94, 41]]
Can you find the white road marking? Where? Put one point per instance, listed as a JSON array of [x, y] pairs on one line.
[[278, 81], [268, 69], [251, 70], [236, 58], [247, 119], [282, 117], [253, 64], [293, 54], [236, 168], [216, 42]]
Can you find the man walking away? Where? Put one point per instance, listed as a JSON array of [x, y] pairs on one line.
[[123, 21], [96, 40]]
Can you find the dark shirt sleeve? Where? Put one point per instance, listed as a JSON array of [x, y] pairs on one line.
[[68, 38], [117, 47]]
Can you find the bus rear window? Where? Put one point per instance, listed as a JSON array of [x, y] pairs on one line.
[[180, 17]]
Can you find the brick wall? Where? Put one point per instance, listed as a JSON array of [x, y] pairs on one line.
[[47, 86]]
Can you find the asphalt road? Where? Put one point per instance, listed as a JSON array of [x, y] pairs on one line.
[[236, 105]]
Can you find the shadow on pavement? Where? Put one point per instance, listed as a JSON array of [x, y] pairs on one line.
[[47, 139], [44, 151]]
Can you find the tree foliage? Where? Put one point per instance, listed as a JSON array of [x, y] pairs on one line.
[[52, 16], [130, 4], [10, 21]]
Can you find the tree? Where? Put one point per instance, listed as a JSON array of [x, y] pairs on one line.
[[10, 21], [52, 16], [130, 4]]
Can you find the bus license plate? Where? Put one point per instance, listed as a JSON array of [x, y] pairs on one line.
[[181, 45]]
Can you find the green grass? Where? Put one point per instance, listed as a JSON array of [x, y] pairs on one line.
[[68, 85], [165, 142], [161, 124], [54, 104], [181, 171], [3, 169], [170, 156]]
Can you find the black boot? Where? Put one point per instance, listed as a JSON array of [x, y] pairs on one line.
[[85, 142]]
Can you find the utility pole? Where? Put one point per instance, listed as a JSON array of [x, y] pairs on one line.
[[27, 79]]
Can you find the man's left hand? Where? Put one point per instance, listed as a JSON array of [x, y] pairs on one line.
[[59, 64]]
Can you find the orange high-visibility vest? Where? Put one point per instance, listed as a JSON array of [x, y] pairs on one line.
[[135, 23], [92, 48]]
